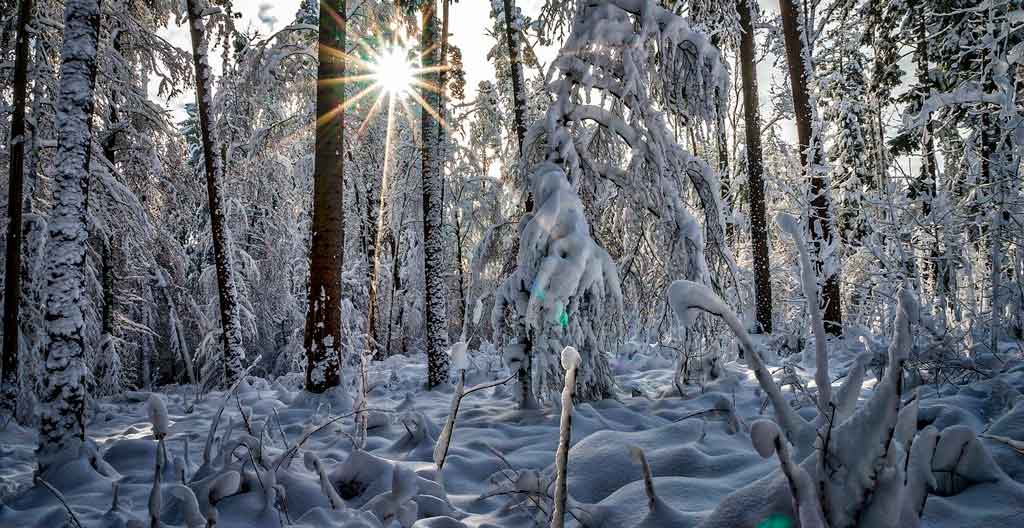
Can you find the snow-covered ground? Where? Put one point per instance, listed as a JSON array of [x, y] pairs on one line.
[[499, 469]]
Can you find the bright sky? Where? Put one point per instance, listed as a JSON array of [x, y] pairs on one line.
[[468, 24]]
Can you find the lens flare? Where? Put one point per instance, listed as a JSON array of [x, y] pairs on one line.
[[393, 71]]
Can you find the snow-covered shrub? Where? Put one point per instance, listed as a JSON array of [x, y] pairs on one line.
[[869, 465], [560, 293], [639, 60]]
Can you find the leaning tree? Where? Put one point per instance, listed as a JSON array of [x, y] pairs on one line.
[[624, 66]]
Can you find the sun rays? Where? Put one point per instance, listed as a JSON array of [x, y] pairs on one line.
[[384, 64]]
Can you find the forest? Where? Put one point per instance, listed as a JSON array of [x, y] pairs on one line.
[[512, 263]]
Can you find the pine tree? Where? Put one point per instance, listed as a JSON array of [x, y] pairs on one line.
[[755, 167], [227, 290], [433, 210], [62, 422], [15, 201], [798, 57], [323, 319]]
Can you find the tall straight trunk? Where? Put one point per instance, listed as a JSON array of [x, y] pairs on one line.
[[755, 177], [323, 319], [722, 150], [992, 177], [433, 235], [926, 188], [443, 73], [820, 224], [62, 422], [15, 200], [379, 230], [461, 313], [212, 163], [525, 375], [515, 62]]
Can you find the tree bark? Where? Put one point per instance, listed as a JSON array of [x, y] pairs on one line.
[[516, 64], [433, 235], [15, 201], [755, 178], [379, 230], [525, 375], [62, 422], [223, 261], [323, 319], [820, 221]]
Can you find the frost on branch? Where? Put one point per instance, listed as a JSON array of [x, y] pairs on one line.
[[622, 61], [864, 467], [561, 291]]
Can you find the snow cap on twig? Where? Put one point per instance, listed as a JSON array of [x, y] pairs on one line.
[[570, 358], [763, 434], [158, 416], [459, 359]]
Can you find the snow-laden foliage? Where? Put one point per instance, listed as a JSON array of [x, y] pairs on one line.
[[564, 292], [865, 464]]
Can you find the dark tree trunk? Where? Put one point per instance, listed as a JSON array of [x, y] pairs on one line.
[[62, 421], [924, 189], [519, 112], [518, 85], [820, 224], [212, 163], [433, 234], [755, 178], [15, 201], [323, 319]]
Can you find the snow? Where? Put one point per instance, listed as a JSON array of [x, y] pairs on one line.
[[695, 463], [567, 407], [158, 416], [764, 434], [458, 358]]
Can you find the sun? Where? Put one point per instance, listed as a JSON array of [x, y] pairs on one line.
[[393, 71]]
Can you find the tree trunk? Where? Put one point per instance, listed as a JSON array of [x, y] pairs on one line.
[[926, 187], [516, 64], [722, 151], [323, 319], [525, 375], [379, 231], [433, 235], [755, 178], [227, 292], [15, 200], [820, 221], [62, 422]]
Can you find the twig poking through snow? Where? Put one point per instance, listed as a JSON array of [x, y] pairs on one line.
[[60, 497], [570, 362], [638, 455]]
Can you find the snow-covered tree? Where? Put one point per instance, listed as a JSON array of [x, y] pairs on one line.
[[62, 423]]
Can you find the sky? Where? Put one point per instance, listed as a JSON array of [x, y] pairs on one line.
[[468, 22]]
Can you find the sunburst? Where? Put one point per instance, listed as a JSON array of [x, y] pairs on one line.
[[390, 71]]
